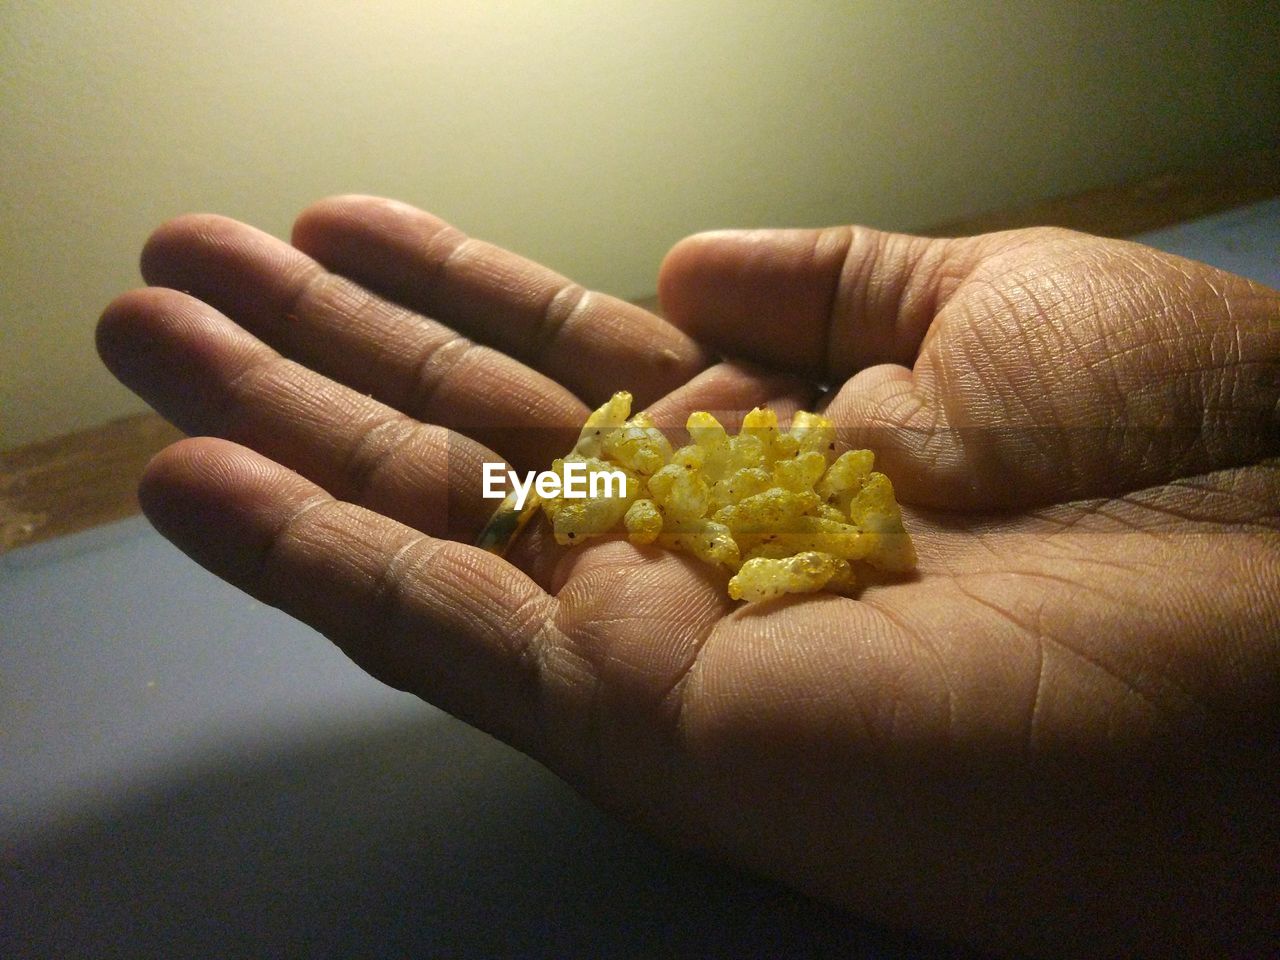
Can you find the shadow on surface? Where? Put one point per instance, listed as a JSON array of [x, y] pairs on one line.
[[419, 839]]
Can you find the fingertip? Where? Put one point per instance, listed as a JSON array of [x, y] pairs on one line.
[[170, 242], [220, 503], [333, 219], [136, 331], [320, 214], [189, 480], [693, 260], [117, 323], [764, 295]]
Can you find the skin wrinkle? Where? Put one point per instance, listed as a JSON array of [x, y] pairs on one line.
[[1139, 350], [1261, 506], [309, 282], [1131, 499], [903, 407], [587, 754], [1126, 686], [945, 397], [930, 284], [691, 643], [1036, 698], [418, 394], [338, 296], [1097, 338], [1101, 510], [1113, 299], [266, 564], [409, 326], [1110, 359], [916, 294], [440, 249], [1163, 678], [387, 596], [520, 635], [881, 284], [918, 640], [841, 296], [356, 306], [876, 734], [432, 368], [564, 305], [455, 256], [372, 451], [978, 367], [1036, 336], [960, 262], [562, 672], [535, 635], [582, 641], [244, 383], [750, 690], [673, 698]]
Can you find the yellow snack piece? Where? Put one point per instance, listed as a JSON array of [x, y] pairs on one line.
[[680, 492], [643, 522], [707, 540], [763, 579], [739, 485], [603, 422], [776, 506], [845, 477], [814, 433], [875, 510], [773, 511], [638, 445], [800, 472], [574, 520]]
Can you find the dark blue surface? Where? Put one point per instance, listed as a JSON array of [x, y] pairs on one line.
[[1245, 241], [187, 773]]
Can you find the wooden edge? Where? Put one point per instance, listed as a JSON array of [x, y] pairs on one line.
[[90, 477], [77, 481]]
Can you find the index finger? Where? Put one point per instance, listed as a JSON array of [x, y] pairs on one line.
[[591, 342]]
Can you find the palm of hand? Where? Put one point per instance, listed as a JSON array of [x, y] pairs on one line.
[[1080, 445]]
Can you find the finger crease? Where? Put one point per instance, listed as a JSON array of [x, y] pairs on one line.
[[387, 596], [371, 450], [674, 698], [433, 369], [569, 301], [838, 297], [244, 382], [266, 562], [531, 637], [307, 285]]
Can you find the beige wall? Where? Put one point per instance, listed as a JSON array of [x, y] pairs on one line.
[[587, 135]]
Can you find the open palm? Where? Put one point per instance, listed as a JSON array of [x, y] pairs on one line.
[[1060, 732]]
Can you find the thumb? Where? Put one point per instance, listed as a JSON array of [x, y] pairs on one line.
[[821, 303], [1068, 367], [1004, 370]]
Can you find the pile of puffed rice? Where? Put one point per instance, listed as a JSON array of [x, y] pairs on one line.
[[778, 508]]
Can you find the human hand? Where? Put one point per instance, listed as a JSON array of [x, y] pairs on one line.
[[1060, 735]]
